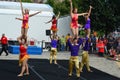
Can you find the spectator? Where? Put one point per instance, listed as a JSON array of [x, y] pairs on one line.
[[67, 37], [4, 42], [63, 43], [105, 41], [112, 53], [100, 47], [58, 44], [118, 45], [110, 42], [93, 43]]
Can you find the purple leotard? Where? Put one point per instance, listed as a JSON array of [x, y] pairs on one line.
[[87, 25]]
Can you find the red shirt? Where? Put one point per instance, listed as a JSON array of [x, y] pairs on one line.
[[101, 46], [4, 40]]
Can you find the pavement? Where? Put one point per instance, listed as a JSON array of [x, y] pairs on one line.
[[100, 63]]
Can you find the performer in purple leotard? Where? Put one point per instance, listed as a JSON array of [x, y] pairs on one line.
[[87, 25]]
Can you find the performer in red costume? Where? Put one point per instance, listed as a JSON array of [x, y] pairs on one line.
[[25, 19], [54, 23], [74, 19], [23, 58]]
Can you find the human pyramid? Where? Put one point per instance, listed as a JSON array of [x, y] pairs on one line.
[[23, 58], [74, 42]]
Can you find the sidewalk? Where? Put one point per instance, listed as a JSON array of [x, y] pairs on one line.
[[99, 63]]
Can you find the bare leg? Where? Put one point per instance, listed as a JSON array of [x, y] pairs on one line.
[[22, 31], [23, 68], [26, 30], [73, 31], [27, 69], [54, 33], [76, 32], [88, 33]]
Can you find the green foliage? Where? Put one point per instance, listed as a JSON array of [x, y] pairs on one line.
[[29, 1], [63, 7]]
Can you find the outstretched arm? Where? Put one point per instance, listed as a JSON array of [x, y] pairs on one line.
[[71, 8], [19, 19], [58, 16], [34, 14], [21, 8], [89, 11], [81, 14], [49, 21]]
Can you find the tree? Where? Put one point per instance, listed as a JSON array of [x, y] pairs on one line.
[[29, 1]]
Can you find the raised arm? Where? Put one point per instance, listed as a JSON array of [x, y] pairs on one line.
[[21, 8], [58, 16], [34, 14], [71, 8], [89, 11], [80, 41]]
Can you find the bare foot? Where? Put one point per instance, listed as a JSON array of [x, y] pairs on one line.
[[20, 75], [26, 74], [90, 71], [55, 62]]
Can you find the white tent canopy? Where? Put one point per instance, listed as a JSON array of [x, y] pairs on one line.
[[31, 6], [14, 8]]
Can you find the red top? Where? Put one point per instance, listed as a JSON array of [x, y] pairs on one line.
[[75, 18], [4, 40], [100, 46], [54, 21], [74, 22], [23, 51], [54, 25]]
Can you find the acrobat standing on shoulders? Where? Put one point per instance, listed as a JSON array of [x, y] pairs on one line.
[[74, 19], [25, 19], [87, 25], [54, 24]]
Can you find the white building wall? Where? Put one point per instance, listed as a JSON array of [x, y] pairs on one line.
[[64, 26]]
